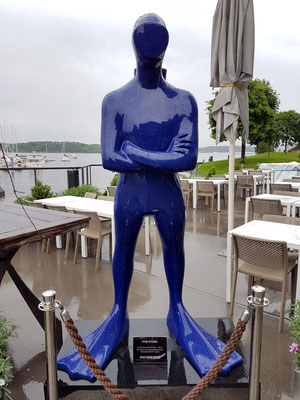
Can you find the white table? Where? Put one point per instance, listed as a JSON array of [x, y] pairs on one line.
[[255, 181], [295, 185], [263, 230], [104, 208], [75, 203], [216, 182], [286, 201], [58, 201]]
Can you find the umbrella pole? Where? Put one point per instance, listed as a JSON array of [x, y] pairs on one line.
[[230, 217], [231, 185]]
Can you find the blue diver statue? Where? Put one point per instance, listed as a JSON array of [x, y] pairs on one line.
[[149, 133]]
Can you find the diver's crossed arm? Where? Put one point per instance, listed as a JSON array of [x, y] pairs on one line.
[[120, 162], [112, 159], [180, 156]]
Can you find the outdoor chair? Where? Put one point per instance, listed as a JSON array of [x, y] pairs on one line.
[[224, 191], [34, 204], [244, 183], [296, 178], [107, 198], [259, 207], [111, 191], [221, 177], [90, 195], [278, 186], [95, 230], [264, 259], [68, 234], [206, 189], [287, 193], [281, 219], [186, 191]]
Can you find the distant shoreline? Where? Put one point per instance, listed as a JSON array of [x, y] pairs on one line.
[[78, 147], [223, 149]]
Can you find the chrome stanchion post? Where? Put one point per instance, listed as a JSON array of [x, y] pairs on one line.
[[49, 305], [257, 302]]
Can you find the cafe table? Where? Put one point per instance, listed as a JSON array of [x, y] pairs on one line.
[[286, 201], [265, 230], [103, 208]]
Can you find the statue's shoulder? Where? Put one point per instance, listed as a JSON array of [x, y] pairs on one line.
[[117, 96], [183, 95]]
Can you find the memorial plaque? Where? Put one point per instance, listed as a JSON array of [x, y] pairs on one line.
[[150, 349]]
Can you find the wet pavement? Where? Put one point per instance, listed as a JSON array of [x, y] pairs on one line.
[[88, 294]]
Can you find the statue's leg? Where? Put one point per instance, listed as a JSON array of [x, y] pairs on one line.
[[201, 348], [103, 341]]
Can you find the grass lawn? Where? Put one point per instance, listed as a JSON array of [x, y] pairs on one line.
[[221, 167]]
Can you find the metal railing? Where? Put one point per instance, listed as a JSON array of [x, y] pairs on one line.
[[86, 171]]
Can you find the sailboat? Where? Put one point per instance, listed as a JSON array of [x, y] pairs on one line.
[[64, 156], [46, 159]]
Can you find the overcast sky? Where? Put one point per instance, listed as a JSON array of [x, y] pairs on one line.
[[59, 58]]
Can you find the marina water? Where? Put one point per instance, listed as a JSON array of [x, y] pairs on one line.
[[57, 179]]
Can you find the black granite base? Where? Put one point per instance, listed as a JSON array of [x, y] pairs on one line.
[[176, 372]]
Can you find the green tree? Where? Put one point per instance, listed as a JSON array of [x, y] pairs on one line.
[[287, 127], [263, 105]]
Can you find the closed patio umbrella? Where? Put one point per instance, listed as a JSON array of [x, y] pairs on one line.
[[232, 56]]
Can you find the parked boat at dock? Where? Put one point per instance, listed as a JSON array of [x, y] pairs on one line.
[[34, 160], [4, 161]]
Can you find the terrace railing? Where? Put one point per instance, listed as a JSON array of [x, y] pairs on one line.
[[85, 171]]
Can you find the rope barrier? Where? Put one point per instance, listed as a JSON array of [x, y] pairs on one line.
[[116, 393], [111, 388], [221, 361]]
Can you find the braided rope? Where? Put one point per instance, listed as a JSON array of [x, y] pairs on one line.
[[112, 389], [220, 362]]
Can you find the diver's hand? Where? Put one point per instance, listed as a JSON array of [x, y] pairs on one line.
[[180, 144]]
